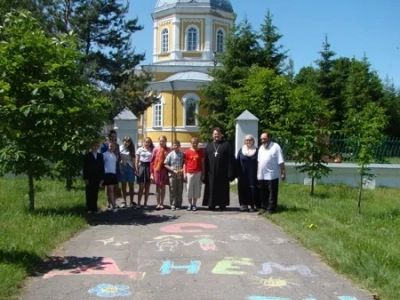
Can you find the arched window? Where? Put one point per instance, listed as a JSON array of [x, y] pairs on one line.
[[191, 109], [164, 40], [220, 41], [192, 39]]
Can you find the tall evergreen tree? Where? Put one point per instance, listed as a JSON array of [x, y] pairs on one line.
[[391, 102], [241, 52], [105, 34], [325, 65], [273, 55]]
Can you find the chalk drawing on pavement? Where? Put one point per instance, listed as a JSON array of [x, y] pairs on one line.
[[167, 242], [112, 242], [266, 298], [347, 298], [106, 290], [231, 266], [245, 236], [267, 269], [168, 266], [187, 227], [106, 266], [280, 241], [206, 242], [271, 282]]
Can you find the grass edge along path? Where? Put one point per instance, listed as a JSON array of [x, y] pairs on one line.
[[364, 248], [26, 238]]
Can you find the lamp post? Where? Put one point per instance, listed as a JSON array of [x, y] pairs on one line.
[[215, 58]]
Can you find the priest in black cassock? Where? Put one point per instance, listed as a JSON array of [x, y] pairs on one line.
[[219, 170]]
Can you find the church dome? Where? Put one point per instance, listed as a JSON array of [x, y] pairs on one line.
[[224, 5]]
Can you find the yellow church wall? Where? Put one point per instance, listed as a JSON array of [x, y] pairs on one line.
[[217, 26], [162, 75]]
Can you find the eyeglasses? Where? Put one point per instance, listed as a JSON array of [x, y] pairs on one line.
[[248, 140]]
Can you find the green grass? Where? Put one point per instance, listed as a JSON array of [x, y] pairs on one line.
[[365, 248], [26, 237]]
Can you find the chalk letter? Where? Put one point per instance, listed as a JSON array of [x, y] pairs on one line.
[[168, 266], [266, 298], [227, 266], [178, 228], [347, 298]]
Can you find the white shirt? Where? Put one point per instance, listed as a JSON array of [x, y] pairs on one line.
[[144, 155], [126, 157], [94, 154], [110, 162], [269, 160]]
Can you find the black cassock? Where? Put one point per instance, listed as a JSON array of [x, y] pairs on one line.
[[219, 171]]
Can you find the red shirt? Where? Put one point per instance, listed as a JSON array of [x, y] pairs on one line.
[[193, 160]]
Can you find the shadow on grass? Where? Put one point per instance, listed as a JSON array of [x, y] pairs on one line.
[[124, 216], [290, 208], [27, 260]]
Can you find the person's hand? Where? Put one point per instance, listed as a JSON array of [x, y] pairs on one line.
[[86, 181], [283, 176]]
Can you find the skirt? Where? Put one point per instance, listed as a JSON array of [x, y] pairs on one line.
[[143, 175], [110, 179]]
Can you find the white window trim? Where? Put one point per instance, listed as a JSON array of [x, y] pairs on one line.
[[161, 105], [185, 98], [162, 40], [223, 39], [197, 38]]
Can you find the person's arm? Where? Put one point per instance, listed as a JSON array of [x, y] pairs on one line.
[[167, 163], [281, 163]]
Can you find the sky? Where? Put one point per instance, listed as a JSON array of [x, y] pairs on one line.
[[353, 27]]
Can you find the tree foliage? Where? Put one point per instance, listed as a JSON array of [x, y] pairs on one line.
[[364, 129], [53, 111]]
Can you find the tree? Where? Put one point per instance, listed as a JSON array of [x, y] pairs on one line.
[[52, 109], [267, 96], [105, 34], [272, 56], [310, 128], [241, 52], [364, 129], [391, 102], [325, 66]]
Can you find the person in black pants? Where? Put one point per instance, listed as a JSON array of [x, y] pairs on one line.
[[93, 175]]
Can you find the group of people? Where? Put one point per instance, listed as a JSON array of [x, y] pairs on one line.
[[257, 170]]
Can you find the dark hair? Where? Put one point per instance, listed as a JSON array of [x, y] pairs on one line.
[[112, 131], [151, 143], [178, 143], [217, 129], [131, 146]]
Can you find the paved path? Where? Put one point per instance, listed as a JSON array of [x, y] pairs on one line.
[[179, 255]]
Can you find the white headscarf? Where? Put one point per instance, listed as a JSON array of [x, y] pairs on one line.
[[249, 151]]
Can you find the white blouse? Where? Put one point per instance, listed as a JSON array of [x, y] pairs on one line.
[[144, 154], [110, 162]]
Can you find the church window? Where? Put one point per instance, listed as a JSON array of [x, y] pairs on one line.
[[157, 115], [191, 109], [164, 40], [220, 41], [192, 39]]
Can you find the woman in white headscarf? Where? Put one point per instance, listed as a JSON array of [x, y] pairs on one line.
[[247, 175]]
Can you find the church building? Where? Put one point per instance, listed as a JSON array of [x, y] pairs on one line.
[[187, 36]]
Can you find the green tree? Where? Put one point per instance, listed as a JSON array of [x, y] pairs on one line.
[[241, 52], [325, 65], [105, 34], [308, 77], [273, 55], [391, 102], [310, 127], [364, 129], [53, 111], [267, 96]]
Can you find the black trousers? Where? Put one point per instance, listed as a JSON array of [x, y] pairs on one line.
[[269, 194], [92, 194]]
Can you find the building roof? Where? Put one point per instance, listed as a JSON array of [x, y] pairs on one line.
[[247, 116], [126, 114], [224, 5], [190, 80]]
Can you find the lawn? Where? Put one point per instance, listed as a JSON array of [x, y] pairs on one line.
[[26, 237], [365, 248]]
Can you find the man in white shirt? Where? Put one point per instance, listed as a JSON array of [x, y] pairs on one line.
[[271, 166]]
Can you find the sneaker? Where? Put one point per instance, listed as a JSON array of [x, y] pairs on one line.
[[115, 210], [194, 208], [145, 207], [173, 207], [123, 205], [243, 208], [189, 208], [251, 210]]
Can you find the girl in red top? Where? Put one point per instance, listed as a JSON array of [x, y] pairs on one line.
[[193, 172]]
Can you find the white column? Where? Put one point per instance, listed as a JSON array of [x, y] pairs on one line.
[[176, 23], [209, 37], [155, 37]]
